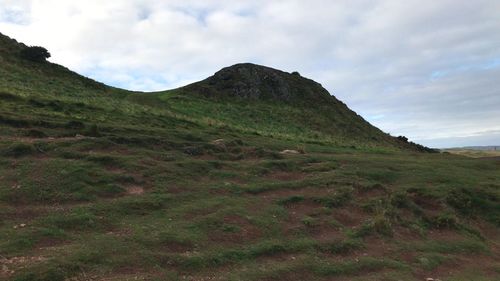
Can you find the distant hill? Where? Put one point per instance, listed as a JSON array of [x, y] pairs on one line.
[[485, 147], [475, 151]]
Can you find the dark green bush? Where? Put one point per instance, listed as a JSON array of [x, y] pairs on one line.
[[474, 202], [36, 102], [19, 150], [75, 125], [194, 150], [93, 131], [402, 138], [444, 220], [9, 97], [291, 200], [35, 134], [35, 54], [18, 123], [378, 225]]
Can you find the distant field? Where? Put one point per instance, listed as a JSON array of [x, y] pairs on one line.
[[474, 153]]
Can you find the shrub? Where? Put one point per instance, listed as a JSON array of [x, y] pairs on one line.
[[9, 97], [416, 146], [93, 131], [444, 220], [378, 225], [19, 149], [301, 149], [194, 150], [431, 261], [400, 200], [403, 138], [291, 200], [475, 201], [309, 221], [35, 134], [35, 54], [76, 125]]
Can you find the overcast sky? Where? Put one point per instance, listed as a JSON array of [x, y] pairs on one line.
[[429, 70]]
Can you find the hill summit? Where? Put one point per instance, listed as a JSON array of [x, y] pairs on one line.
[[252, 81]]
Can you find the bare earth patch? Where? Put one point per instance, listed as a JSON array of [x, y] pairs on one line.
[[349, 217], [286, 176], [9, 266], [306, 191], [134, 190]]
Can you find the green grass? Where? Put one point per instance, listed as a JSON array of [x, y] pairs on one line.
[[73, 152], [468, 246], [361, 265]]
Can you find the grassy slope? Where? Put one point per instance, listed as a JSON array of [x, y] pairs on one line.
[[146, 192], [288, 106]]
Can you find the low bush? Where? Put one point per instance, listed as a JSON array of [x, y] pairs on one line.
[[341, 197], [35, 134], [19, 150], [444, 220], [291, 200], [378, 225], [93, 131], [75, 125], [476, 202], [35, 54]]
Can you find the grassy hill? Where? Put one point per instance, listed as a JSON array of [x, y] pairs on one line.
[[270, 102], [99, 183]]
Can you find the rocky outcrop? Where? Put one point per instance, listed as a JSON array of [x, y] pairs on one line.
[[256, 82]]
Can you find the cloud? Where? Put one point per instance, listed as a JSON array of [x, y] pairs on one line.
[[424, 69]]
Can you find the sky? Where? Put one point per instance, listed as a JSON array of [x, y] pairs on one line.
[[425, 69]]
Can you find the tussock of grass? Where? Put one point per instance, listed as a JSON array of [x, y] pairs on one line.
[[469, 246], [341, 246], [19, 150], [221, 256], [361, 265]]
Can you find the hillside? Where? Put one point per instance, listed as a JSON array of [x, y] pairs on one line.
[[250, 174], [300, 108], [274, 102]]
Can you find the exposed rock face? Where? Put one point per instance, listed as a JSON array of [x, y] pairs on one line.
[[251, 81]]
